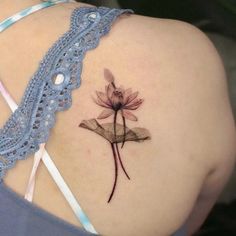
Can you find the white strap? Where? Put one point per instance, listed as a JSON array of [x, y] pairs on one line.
[[31, 184]]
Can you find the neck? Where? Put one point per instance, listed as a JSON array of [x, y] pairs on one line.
[[9, 8]]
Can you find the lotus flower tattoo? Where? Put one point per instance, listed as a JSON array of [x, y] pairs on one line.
[[116, 101]]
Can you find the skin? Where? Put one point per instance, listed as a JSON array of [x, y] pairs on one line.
[[176, 176]]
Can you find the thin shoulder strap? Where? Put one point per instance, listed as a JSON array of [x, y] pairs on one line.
[[18, 16]]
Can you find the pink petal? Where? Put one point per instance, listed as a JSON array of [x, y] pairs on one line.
[[110, 90], [100, 103], [132, 97], [134, 105], [103, 97], [128, 92], [108, 75], [105, 113], [130, 116], [121, 88], [114, 99]]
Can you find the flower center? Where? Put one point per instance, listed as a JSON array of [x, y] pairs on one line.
[[117, 99]]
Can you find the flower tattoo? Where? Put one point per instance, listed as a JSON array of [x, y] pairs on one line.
[[116, 101]]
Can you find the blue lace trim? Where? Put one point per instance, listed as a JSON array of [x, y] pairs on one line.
[[50, 88]]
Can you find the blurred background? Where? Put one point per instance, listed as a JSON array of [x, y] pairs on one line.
[[217, 18]]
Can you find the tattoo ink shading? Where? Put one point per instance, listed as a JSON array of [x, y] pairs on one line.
[[116, 101]]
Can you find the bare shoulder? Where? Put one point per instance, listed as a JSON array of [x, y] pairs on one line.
[[181, 60]]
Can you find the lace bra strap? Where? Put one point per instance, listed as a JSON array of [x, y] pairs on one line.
[[13, 19]]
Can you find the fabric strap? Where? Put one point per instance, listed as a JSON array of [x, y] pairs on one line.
[[16, 17]]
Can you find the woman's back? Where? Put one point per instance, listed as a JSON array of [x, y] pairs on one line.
[[186, 110]]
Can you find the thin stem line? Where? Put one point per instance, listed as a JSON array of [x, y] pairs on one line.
[[124, 136], [116, 172], [115, 116], [121, 163]]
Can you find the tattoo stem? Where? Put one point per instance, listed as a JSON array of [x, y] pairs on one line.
[[116, 172], [124, 136], [121, 163], [115, 116]]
